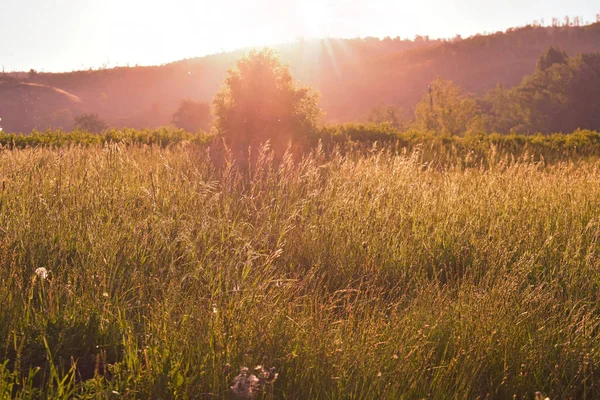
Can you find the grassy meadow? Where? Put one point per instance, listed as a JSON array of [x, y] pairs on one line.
[[378, 272]]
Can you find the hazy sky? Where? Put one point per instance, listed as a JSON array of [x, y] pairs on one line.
[[62, 35]]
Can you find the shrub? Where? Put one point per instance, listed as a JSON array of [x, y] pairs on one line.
[[90, 123]]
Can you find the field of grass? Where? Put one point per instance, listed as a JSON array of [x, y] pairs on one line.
[[372, 274]]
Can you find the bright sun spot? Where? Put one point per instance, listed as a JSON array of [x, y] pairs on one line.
[[314, 15]]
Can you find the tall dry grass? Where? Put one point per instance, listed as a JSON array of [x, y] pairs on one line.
[[373, 274]]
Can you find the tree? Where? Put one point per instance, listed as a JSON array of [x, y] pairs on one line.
[[584, 92], [90, 123], [260, 101], [390, 115], [447, 110], [500, 110], [559, 96], [192, 115], [552, 56], [542, 100]]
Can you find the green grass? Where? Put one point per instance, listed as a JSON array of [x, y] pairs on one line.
[[372, 274]]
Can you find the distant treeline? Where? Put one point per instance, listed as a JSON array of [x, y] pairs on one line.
[[561, 95]]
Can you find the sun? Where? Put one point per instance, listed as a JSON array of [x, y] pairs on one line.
[[314, 16]]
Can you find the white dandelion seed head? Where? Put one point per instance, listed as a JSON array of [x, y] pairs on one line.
[[41, 272]]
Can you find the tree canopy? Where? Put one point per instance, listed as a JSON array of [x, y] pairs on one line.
[[446, 109], [390, 114], [192, 115], [560, 96], [550, 57], [260, 101]]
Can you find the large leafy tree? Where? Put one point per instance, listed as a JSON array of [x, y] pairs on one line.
[[501, 112], [446, 109], [260, 101], [562, 96], [543, 100], [192, 115], [584, 92]]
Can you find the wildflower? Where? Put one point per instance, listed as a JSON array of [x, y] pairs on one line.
[[249, 386], [42, 273], [105, 294], [245, 385], [540, 396], [266, 375], [214, 309]]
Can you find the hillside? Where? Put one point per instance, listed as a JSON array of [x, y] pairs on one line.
[[353, 76], [26, 105]]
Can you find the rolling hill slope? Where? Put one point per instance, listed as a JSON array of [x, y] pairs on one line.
[[352, 75]]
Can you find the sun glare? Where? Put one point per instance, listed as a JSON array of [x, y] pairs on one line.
[[314, 15]]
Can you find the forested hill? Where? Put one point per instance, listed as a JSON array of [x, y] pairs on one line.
[[353, 76]]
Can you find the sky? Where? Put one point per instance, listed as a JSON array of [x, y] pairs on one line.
[[66, 35]]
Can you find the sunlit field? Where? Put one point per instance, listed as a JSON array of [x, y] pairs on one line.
[[147, 271], [299, 199]]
